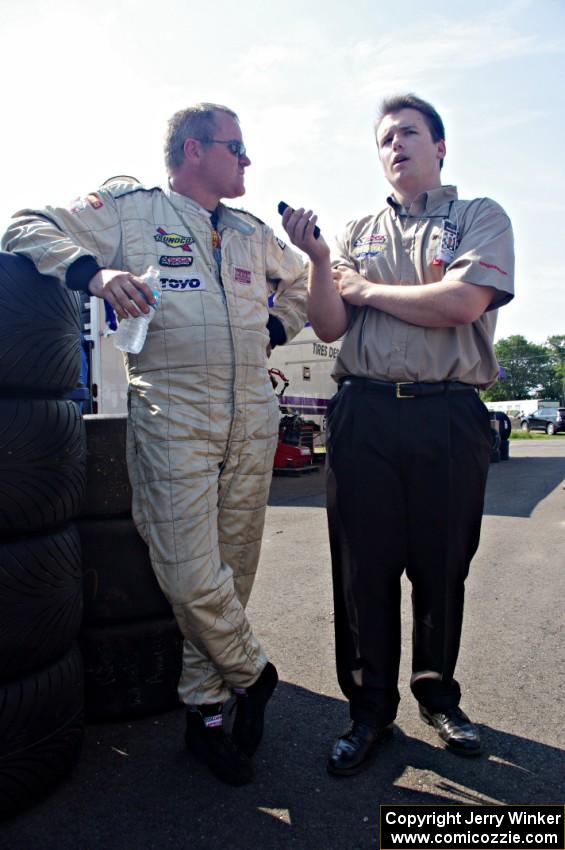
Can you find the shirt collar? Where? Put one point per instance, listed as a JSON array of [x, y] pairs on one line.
[[426, 202], [226, 217]]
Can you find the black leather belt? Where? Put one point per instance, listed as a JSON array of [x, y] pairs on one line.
[[408, 389]]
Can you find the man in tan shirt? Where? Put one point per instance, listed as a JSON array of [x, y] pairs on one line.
[[414, 292]]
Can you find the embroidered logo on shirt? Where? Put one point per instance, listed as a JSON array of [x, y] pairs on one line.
[[241, 275], [370, 246], [173, 240], [187, 284], [175, 261]]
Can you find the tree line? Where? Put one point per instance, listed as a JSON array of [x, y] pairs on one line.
[[529, 369]]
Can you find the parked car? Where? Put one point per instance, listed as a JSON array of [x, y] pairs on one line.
[[548, 419]]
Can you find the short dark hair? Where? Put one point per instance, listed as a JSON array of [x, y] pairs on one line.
[[195, 122], [412, 101]]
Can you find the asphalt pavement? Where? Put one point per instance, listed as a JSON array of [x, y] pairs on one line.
[[134, 786]]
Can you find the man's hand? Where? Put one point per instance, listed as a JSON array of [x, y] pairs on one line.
[[299, 224], [352, 286], [326, 310], [126, 293]]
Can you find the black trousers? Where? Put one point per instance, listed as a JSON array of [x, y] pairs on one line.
[[406, 482]]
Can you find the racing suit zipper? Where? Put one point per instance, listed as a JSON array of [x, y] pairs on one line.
[[218, 249]]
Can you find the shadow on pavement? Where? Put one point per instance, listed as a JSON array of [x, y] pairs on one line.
[[516, 487], [135, 788]]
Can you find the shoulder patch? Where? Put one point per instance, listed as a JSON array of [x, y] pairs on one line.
[[124, 184]]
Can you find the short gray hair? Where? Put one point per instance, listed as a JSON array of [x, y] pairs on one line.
[[195, 122]]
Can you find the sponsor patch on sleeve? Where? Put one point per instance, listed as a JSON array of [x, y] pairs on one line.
[[79, 204], [94, 200], [241, 275]]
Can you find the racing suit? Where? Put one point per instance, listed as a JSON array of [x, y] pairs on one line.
[[203, 418]]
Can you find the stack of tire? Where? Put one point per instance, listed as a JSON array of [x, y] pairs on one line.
[[42, 485], [131, 645]]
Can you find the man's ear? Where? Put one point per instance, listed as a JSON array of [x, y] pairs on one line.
[[441, 149], [192, 150]]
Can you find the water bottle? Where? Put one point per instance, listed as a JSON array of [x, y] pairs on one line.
[[131, 332]]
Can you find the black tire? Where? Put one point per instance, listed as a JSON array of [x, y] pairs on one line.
[[119, 582], [495, 446], [550, 429], [504, 425], [39, 331], [131, 670], [42, 464], [524, 426], [40, 600], [41, 731], [108, 491]]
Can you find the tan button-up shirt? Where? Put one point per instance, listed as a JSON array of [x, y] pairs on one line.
[[399, 246]]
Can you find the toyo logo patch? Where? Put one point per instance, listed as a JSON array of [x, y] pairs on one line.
[[182, 284]]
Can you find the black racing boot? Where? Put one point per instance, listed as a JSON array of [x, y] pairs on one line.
[[206, 741], [250, 709]]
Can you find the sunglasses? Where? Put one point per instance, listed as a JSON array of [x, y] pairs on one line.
[[237, 148]]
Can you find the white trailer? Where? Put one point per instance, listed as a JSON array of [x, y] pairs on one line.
[[521, 406], [307, 364], [107, 380]]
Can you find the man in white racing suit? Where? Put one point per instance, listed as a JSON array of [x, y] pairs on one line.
[[203, 418]]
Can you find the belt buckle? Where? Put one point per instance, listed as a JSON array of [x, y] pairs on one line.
[[400, 384]]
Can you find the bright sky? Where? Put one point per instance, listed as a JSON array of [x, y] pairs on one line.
[[88, 88]]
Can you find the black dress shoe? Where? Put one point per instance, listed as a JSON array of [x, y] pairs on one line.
[[250, 710], [455, 729], [355, 749], [214, 748]]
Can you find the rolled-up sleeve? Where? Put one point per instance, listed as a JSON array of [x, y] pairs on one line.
[[485, 254]]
